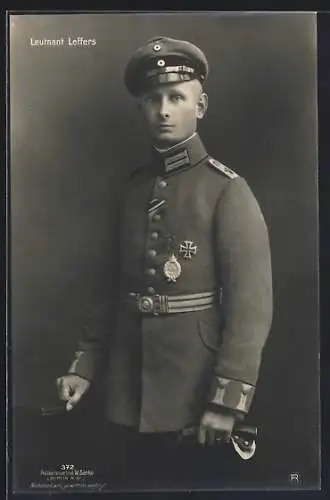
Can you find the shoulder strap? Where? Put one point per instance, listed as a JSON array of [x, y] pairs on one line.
[[221, 168]]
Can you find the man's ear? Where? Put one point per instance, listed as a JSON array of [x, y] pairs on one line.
[[202, 105]]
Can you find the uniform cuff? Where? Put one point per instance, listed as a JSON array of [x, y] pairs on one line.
[[222, 410], [83, 365], [231, 394]]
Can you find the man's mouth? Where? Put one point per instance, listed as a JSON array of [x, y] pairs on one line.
[[164, 126]]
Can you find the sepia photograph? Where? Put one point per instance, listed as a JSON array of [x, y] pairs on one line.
[[164, 287]]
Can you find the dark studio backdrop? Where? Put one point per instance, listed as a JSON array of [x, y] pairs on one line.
[[75, 132]]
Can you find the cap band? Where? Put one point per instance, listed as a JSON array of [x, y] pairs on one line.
[[167, 78], [171, 69]]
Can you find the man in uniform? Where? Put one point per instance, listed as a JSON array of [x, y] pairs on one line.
[[194, 301]]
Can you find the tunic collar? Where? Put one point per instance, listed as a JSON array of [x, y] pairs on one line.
[[181, 156]]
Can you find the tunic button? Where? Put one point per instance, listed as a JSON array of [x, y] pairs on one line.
[[151, 290], [154, 235], [162, 184], [152, 253], [150, 271]]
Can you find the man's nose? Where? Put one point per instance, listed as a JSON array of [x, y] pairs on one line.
[[164, 110]]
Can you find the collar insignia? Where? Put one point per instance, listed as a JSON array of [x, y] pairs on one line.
[[177, 161]]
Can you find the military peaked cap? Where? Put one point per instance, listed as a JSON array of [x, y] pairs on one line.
[[164, 60]]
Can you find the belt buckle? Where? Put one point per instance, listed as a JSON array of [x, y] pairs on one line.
[[145, 304], [150, 304]]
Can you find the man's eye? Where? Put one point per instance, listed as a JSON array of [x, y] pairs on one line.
[[176, 97]]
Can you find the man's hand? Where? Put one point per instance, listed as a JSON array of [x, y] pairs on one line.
[[215, 427], [71, 388]]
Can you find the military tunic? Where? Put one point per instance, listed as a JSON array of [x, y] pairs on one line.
[[165, 367]]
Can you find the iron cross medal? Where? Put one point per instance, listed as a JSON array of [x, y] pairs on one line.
[[172, 269], [187, 249]]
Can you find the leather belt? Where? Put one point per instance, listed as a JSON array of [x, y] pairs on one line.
[[169, 304]]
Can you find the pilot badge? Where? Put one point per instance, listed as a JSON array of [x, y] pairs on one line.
[[187, 249], [172, 269]]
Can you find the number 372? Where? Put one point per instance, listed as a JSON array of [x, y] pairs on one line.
[[66, 467]]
